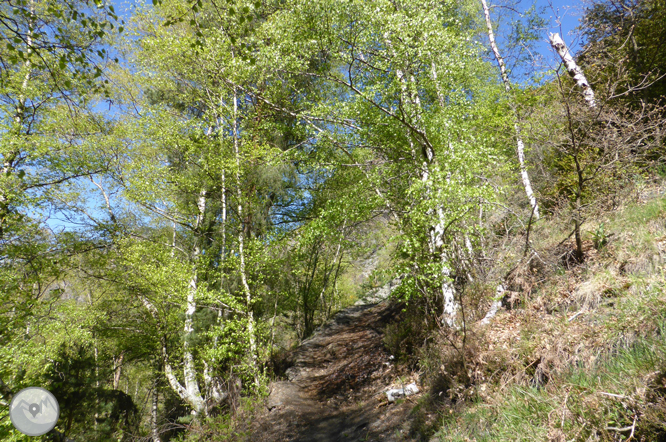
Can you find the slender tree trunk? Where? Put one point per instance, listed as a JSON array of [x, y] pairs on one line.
[[223, 198], [241, 247], [527, 184], [168, 370], [436, 245], [329, 272], [223, 251], [153, 413], [189, 371], [117, 370], [190, 392], [308, 308], [588, 95], [96, 417], [574, 70], [275, 308], [579, 238], [578, 217]]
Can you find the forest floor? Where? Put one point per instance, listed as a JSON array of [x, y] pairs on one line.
[[336, 385]]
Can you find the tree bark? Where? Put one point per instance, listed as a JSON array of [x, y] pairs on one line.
[[189, 371], [450, 305], [241, 247], [574, 70], [153, 414], [117, 370], [527, 184], [190, 392]]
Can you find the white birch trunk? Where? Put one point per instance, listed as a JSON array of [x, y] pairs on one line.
[[96, 417], [213, 387], [241, 247], [574, 70], [190, 392], [450, 309], [117, 370], [224, 217], [189, 371], [168, 370], [223, 199], [519, 140], [153, 415]]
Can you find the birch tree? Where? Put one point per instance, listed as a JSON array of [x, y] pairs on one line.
[[573, 69], [406, 70], [50, 136], [206, 159], [520, 146]]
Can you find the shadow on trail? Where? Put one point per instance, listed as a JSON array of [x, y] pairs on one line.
[[336, 384]]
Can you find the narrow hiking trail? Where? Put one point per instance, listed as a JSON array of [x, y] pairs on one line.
[[336, 386]]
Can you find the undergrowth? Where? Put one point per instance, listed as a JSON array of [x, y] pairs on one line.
[[579, 355]]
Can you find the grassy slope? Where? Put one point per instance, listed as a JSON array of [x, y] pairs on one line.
[[583, 356]]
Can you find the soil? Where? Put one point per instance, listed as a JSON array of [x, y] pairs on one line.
[[335, 387]]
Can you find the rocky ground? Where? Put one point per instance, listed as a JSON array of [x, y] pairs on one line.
[[335, 387]]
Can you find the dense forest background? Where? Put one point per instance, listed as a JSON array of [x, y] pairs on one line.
[[188, 192]]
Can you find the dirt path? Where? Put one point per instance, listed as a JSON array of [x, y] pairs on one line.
[[336, 385]]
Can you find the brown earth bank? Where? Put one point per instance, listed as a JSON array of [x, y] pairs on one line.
[[336, 384]]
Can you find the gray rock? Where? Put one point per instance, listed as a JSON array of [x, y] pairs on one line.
[[380, 294]]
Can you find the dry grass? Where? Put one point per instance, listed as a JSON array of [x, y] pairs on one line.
[[579, 356]]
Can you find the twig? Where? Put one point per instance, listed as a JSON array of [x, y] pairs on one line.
[[576, 315], [527, 233], [619, 396], [564, 409], [622, 430]]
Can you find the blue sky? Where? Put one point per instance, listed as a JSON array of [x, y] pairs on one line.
[[562, 17]]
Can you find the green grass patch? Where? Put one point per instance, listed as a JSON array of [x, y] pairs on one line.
[[640, 213], [619, 394]]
